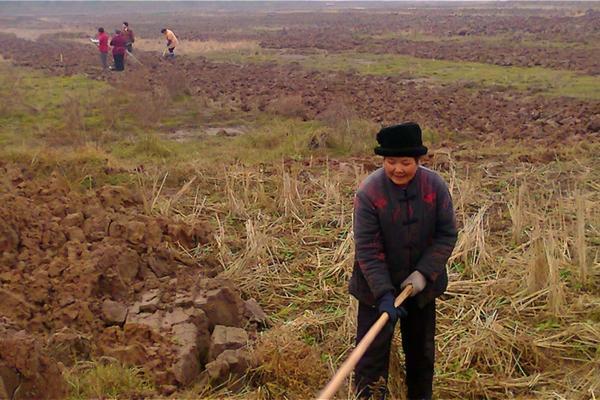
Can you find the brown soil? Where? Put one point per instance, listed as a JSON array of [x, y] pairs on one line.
[[505, 54], [26, 370], [96, 263]]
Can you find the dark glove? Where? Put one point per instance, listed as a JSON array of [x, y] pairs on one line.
[[386, 304]]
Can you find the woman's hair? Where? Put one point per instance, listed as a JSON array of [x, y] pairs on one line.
[[126, 24], [101, 30], [163, 30]]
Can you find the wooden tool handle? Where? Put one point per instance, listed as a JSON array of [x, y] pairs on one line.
[[348, 365]]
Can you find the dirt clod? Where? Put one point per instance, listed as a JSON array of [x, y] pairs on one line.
[[226, 338], [26, 370]]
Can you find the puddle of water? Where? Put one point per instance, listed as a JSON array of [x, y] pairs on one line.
[[186, 135], [226, 131]]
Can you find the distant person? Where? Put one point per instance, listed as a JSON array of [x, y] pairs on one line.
[[404, 233], [118, 44], [129, 37], [102, 38], [172, 41]]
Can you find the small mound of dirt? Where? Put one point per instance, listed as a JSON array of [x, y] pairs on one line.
[[95, 263]]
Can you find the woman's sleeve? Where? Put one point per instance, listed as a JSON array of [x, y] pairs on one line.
[[434, 258], [369, 246]]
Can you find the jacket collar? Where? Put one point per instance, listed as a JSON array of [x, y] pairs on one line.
[[407, 193]]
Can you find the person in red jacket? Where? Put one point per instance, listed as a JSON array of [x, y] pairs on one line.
[[118, 43], [102, 38]]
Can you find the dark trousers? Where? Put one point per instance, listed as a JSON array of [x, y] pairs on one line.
[[104, 60], [119, 62], [418, 334]]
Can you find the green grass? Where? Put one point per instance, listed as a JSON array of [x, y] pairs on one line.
[[271, 138], [546, 81], [108, 381], [147, 146], [35, 108], [244, 56], [44, 94], [509, 40], [47, 117]]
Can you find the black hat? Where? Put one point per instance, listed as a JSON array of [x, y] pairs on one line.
[[402, 140]]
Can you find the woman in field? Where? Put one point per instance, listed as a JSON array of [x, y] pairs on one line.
[[404, 232], [118, 43]]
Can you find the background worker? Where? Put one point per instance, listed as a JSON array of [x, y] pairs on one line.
[[172, 41], [404, 233], [118, 43], [102, 38], [129, 37]]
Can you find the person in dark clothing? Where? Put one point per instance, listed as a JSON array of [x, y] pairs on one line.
[[404, 233], [118, 43], [129, 37]]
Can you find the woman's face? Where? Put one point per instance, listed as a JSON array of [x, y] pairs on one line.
[[400, 170]]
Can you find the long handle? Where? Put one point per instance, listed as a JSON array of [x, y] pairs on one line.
[[348, 365], [134, 58]]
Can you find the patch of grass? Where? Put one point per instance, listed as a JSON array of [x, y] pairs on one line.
[[107, 381], [549, 324], [510, 40], [45, 92], [195, 47], [284, 137], [269, 139], [458, 267], [148, 147], [85, 166], [56, 110], [355, 137]]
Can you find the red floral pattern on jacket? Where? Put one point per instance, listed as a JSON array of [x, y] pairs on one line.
[[398, 230]]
